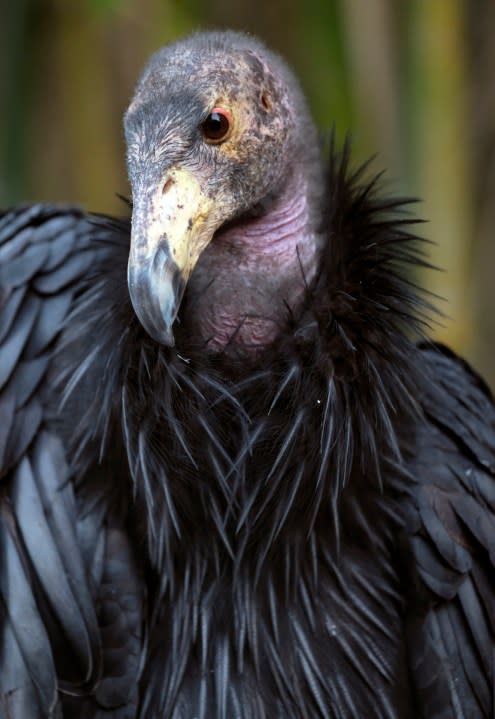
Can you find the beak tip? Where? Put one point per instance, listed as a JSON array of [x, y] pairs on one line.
[[167, 338], [160, 332], [156, 290]]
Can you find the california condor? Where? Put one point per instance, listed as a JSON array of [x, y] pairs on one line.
[[237, 481]]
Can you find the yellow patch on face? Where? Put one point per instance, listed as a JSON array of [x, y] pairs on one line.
[[182, 216]]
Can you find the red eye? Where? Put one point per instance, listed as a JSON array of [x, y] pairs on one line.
[[217, 126]]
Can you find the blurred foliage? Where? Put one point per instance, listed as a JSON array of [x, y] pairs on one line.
[[412, 81]]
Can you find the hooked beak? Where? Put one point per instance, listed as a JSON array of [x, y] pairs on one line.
[[171, 226]]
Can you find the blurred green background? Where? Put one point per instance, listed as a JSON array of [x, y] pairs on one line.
[[412, 81]]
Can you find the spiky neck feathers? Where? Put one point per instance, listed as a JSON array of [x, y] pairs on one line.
[[245, 461]]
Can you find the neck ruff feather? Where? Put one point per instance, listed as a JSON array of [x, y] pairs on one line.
[[242, 459]]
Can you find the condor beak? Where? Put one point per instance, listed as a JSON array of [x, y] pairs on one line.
[[171, 226]]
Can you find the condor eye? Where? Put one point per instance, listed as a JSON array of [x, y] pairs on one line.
[[217, 126]]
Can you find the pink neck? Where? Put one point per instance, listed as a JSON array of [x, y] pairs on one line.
[[259, 269], [279, 231]]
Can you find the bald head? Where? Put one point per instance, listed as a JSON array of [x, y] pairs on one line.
[[184, 81], [214, 131]]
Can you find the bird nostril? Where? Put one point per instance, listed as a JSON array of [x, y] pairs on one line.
[[168, 184], [266, 101]]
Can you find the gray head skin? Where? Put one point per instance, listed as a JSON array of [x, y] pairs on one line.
[[234, 219]]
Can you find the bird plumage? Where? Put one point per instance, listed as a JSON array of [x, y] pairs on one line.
[[303, 532]]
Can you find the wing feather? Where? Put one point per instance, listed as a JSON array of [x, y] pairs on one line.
[[25, 634], [454, 540], [71, 598]]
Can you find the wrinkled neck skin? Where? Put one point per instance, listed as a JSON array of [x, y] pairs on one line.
[[260, 265]]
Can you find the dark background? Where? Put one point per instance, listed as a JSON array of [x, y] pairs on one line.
[[412, 80]]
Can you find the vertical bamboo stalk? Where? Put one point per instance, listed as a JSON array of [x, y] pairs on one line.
[[93, 130], [441, 155], [14, 65], [482, 119], [320, 60], [374, 75]]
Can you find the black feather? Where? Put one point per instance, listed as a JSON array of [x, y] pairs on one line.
[[314, 528], [242, 469]]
